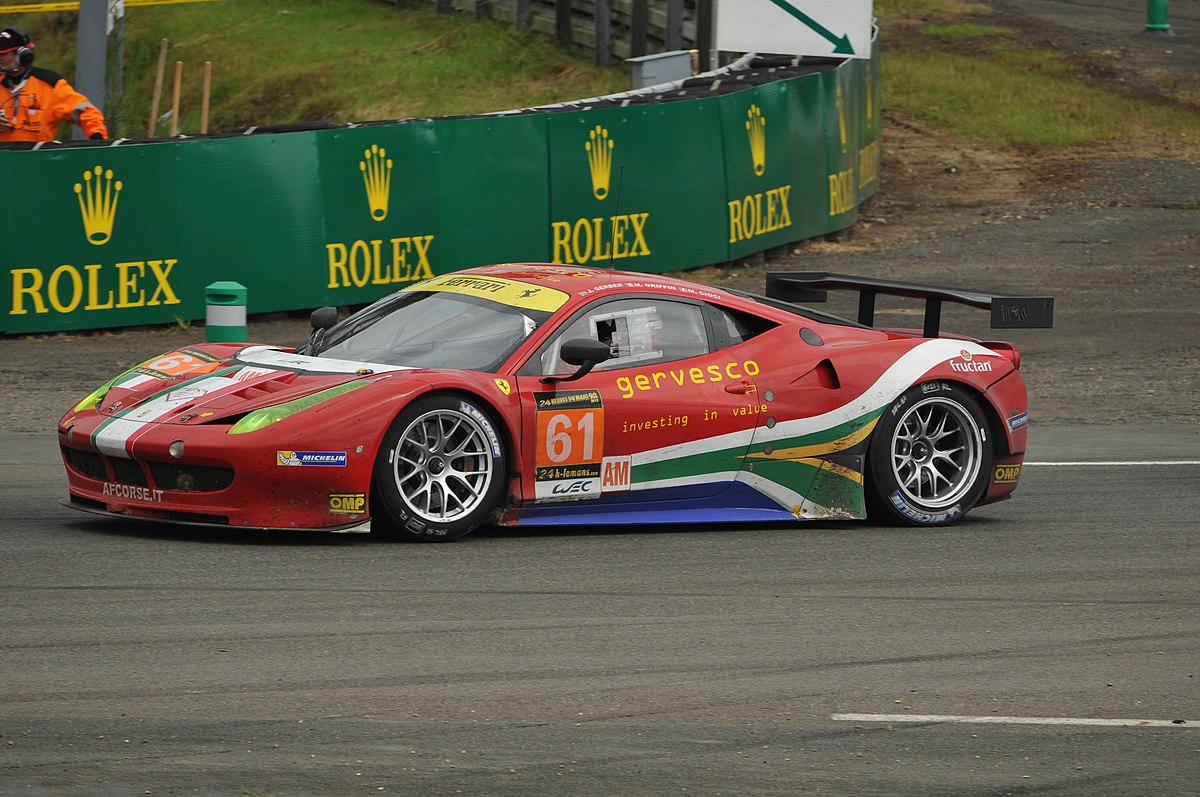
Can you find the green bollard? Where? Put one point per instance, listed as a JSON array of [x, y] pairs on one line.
[[1156, 18], [225, 317]]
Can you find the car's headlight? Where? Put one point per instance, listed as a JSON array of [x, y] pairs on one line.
[[268, 415]]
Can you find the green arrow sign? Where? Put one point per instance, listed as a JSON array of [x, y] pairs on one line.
[[841, 44]]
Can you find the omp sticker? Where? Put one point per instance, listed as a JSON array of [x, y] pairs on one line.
[[1006, 474], [497, 289], [347, 503], [323, 459]]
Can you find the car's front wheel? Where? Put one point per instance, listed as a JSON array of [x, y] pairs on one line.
[[930, 457], [440, 470]]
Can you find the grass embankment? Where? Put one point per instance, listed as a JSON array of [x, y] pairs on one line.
[[280, 61], [945, 63]]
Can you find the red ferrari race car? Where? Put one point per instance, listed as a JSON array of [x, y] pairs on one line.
[[531, 394]]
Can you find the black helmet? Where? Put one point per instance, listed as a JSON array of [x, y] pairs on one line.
[[17, 39]]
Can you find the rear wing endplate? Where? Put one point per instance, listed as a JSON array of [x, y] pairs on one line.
[[1009, 311]]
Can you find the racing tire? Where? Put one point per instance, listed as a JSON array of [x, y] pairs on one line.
[[930, 457], [440, 470]]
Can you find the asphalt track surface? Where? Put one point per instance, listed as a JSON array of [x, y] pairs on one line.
[[1047, 645]]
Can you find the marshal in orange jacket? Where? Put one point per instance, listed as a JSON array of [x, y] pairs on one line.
[[39, 102]]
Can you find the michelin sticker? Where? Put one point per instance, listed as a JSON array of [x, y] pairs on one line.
[[325, 459]]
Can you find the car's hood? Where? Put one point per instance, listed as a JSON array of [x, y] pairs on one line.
[[190, 387]]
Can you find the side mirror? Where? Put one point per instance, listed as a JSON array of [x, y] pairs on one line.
[[585, 353], [321, 319]]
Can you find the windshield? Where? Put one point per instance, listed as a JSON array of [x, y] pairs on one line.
[[432, 330]]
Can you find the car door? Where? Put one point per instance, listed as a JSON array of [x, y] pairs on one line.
[[667, 418]]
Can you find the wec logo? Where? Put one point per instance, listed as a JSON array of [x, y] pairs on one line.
[[565, 488]]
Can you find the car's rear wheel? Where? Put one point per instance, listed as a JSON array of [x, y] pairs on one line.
[[930, 457], [439, 472]]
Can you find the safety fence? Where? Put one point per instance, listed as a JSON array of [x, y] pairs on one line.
[[608, 30], [709, 170]]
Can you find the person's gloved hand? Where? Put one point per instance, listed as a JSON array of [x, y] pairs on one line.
[[96, 137], [6, 124]]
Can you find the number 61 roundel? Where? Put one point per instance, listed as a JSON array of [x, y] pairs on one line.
[[570, 445]]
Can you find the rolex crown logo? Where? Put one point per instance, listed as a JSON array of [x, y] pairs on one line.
[[376, 167], [599, 148], [98, 196], [756, 129]]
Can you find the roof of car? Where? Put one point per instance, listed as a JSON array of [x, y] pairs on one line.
[[582, 281]]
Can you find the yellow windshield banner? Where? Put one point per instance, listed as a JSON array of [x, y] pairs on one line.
[[505, 291]]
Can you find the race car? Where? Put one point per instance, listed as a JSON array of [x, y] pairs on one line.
[[541, 394]]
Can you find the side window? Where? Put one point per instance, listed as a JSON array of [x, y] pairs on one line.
[[733, 326], [637, 331]]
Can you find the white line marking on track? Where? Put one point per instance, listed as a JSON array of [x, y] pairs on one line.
[[1127, 723], [1117, 463]]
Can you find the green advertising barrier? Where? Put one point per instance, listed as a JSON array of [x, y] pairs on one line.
[[625, 185], [406, 201], [251, 212], [774, 159], [131, 234], [72, 265], [379, 187]]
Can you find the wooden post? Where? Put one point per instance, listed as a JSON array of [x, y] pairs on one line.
[[674, 25], [603, 22], [524, 15], [639, 21], [562, 22], [705, 34], [175, 99], [158, 81], [204, 98]]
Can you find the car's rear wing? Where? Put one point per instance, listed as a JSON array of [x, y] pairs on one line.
[[1009, 311]]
